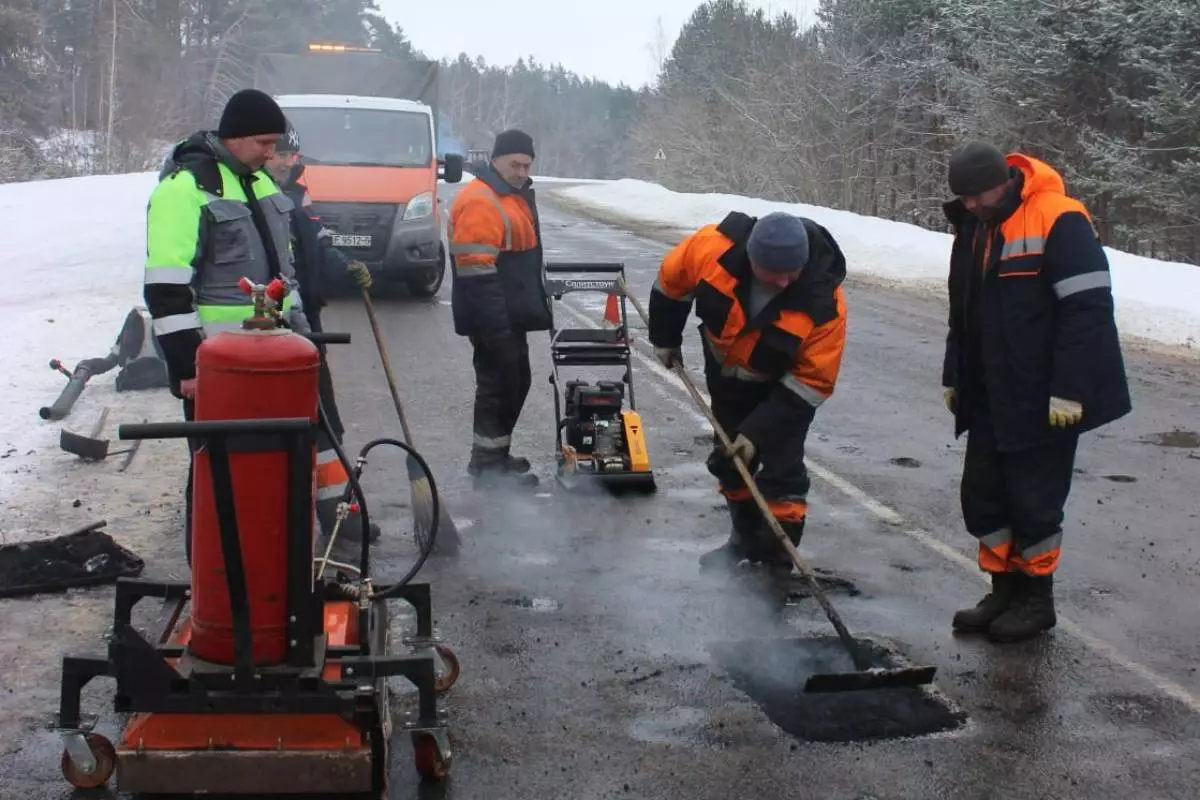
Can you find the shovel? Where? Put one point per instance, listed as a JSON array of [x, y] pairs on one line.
[[866, 676], [92, 447]]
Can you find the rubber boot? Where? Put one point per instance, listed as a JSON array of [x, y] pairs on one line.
[[503, 472], [987, 610], [775, 558], [1030, 613], [742, 517]]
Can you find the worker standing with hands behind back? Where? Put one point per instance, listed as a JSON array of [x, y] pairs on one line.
[[1033, 360], [498, 297], [768, 293]]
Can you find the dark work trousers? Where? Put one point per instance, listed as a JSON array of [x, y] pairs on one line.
[[502, 381], [778, 466], [1013, 502], [189, 414], [325, 377]]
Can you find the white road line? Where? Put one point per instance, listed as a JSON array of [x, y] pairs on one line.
[[892, 517]]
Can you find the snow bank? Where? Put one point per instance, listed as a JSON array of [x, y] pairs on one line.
[[1156, 300], [74, 252]]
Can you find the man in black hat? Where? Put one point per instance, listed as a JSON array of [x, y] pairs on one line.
[[216, 217], [772, 312], [1032, 360], [498, 297]]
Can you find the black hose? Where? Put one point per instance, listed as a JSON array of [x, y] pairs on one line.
[[436, 511]]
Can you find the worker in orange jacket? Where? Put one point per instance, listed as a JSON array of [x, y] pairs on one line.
[[768, 293], [498, 297]]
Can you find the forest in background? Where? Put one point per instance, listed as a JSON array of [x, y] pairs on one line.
[[858, 111]]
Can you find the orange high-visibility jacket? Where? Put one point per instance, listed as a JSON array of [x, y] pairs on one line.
[[793, 345], [496, 254]]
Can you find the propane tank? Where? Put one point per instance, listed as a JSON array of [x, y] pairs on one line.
[[260, 371]]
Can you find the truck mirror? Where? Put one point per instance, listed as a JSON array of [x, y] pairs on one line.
[[452, 168]]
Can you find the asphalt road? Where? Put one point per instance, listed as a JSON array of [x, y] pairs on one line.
[[598, 663]]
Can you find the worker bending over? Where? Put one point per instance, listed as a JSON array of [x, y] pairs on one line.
[[768, 293], [1033, 359], [498, 297]]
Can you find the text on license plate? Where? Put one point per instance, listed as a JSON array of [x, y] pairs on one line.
[[351, 240]]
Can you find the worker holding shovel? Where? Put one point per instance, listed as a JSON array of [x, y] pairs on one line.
[[768, 293]]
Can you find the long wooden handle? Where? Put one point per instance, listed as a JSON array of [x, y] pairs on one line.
[[860, 662], [387, 365]]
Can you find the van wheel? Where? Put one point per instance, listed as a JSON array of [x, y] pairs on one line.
[[428, 284]]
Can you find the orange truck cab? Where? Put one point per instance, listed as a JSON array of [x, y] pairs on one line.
[[371, 163]]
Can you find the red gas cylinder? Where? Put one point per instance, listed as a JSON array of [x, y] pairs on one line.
[[247, 374]]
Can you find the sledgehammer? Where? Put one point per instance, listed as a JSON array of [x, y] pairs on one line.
[[867, 677]]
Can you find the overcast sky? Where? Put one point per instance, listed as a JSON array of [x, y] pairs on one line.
[[615, 44]]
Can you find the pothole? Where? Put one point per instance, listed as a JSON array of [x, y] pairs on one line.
[[1176, 438], [906, 461], [535, 603], [1120, 478], [799, 589], [772, 673]]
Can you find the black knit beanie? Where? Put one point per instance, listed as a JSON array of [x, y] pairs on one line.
[[251, 112], [975, 168], [513, 141]]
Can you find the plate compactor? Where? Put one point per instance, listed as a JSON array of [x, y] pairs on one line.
[[269, 678], [599, 440]]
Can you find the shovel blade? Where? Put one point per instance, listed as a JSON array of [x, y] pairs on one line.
[[83, 446], [870, 679]]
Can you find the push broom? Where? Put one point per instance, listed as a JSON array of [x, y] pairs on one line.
[[448, 540], [866, 676]]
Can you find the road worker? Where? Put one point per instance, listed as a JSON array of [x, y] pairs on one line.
[[215, 217], [317, 262], [1032, 360], [498, 297], [768, 293]]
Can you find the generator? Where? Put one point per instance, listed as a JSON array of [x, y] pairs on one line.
[[599, 433]]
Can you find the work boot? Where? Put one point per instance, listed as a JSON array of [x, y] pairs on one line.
[[987, 610], [774, 557], [1030, 613], [743, 518], [506, 474]]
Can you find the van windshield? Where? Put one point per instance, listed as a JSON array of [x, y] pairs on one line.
[[362, 137]]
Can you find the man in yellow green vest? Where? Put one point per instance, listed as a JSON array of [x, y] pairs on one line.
[[215, 217]]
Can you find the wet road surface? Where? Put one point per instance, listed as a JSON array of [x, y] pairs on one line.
[[598, 663]]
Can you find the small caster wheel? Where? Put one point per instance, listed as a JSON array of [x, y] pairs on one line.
[[431, 765], [106, 761], [443, 682]]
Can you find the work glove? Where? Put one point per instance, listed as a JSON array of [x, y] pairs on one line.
[[669, 356], [949, 395], [743, 448], [359, 272], [1064, 412]]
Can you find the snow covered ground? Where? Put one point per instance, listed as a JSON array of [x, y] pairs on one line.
[[1156, 300]]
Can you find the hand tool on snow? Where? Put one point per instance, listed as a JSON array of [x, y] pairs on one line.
[[866, 676], [422, 495], [93, 447]]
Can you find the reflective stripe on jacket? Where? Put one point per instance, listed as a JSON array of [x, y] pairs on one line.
[[790, 352], [1042, 320], [496, 255]]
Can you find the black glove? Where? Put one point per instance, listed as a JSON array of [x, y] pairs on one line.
[[720, 466]]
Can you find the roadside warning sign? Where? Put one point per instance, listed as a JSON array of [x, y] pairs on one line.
[[660, 155]]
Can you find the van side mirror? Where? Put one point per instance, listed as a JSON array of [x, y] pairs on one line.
[[452, 168]]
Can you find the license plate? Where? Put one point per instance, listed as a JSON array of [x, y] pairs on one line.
[[349, 240]]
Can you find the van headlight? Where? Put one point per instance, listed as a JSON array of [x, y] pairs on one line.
[[419, 207]]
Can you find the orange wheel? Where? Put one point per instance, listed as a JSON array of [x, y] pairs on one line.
[[450, 677], [430, 763], [106, 761]]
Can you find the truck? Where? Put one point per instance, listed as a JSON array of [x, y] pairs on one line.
[[368, 128]]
